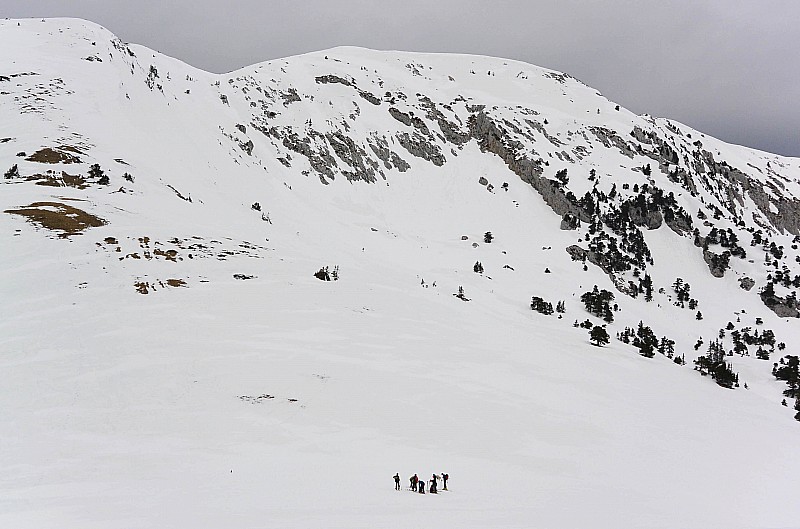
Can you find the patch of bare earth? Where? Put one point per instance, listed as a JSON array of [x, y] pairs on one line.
[[49, 155], [149, 249], [58, 217], [145, 287]]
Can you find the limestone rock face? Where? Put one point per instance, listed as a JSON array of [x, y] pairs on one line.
[[491, 138], [782, 307], [678, 224], [717, 263], [419, 146], [570, 222], [650, 219], [576, 252]]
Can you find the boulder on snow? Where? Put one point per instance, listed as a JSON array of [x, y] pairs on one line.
[[746, 283]]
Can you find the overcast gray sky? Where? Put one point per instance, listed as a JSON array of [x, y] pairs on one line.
[[730, 68]]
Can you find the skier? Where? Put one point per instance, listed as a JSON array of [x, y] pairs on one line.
[[397, 481], [433, 485], [414, 481], [420, 486], [445, 477]]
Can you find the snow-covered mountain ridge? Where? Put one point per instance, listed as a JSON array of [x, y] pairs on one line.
[[163, 320]]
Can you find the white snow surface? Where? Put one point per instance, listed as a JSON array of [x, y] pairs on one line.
[[124, 410]]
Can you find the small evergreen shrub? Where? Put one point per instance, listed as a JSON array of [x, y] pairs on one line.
[[12, 173], [461, 294]]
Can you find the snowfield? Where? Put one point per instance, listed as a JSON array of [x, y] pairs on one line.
[[145, 386]]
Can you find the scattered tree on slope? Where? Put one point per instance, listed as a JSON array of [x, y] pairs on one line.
[[599, 336], [540, 305], [12, 173], [714, 364]]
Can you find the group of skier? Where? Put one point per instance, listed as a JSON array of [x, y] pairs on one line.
[[418, 485]]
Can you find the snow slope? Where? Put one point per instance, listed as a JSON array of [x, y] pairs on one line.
[[144, 385]]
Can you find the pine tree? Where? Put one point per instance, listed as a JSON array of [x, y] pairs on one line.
[[599, 336], [597, 302], [789, 371], [666, 347], [461, 294], [714, 364], [647, 287], [540, 305], [478, 267], [645, 340], [487, 237], [12, 173], [322, 274], [97, 174]]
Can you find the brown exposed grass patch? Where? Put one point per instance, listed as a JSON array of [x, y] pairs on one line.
[[73, 180], [43, 180], [56, 216], [169, 255], [71, 149], [51, 179], [48, 155], [145, 287]]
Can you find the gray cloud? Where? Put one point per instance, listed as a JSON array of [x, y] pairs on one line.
[[729, 69]]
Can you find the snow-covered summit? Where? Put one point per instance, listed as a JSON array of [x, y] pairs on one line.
[[172, 357]]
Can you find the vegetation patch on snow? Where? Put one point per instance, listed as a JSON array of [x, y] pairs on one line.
[[56, 216], [145, 287], [57, 155], [53, 179]]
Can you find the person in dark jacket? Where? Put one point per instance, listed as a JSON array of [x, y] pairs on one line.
[[433, 484], [397, 481], [414, 481], [445, 477]]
